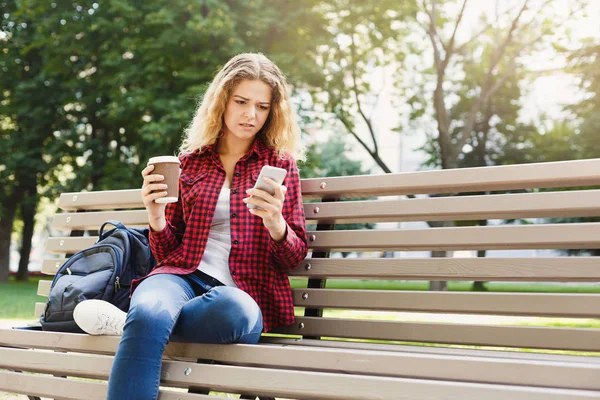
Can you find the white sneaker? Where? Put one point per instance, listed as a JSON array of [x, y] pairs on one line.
[[99, 317]]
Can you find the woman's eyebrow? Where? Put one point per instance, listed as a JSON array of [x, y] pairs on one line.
[[245, 99]]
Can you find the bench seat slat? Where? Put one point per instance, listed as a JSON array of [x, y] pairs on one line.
[[69, 389], [580, 203], [560, 174], [285, 382], [550, 236], [349, 361], [435, 332], [592, 358]]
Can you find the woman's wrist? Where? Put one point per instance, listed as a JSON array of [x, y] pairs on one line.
[[278, 233], [158, 224]]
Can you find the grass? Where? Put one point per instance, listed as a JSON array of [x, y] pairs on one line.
[[17, 299]]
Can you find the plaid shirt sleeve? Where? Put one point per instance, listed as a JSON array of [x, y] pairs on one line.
[[288, 253], [164, 242]]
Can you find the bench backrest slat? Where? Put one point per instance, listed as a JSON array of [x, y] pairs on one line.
[[565, 305], [505, 206], [539, 269], [561, 174], [499, 206], [555, 236], [524, 304]]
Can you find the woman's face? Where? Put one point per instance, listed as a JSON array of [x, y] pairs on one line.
[[247, 109]]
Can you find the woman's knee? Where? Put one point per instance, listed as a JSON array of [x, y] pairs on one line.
[[153, 308], [237, 306]]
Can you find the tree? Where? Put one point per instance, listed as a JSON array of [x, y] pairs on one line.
[[528, 28], [364, 37], [103, 86], [330, 159]]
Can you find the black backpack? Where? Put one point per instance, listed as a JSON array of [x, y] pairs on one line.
[[103, 271]]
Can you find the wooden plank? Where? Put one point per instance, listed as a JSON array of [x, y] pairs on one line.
[[101, 200], [519, 304], [44, 288], [69, 342], [69, 389], [552, 338], [407, 365], [546, 236], [40, 308], [514, 354], [580, 203], [286, 383], [548, 269], [523, 304], [60, 245], [525, 176], [541, 269], [481, 179], [93, 220], [51, 265], [530, 205], [554, 371]]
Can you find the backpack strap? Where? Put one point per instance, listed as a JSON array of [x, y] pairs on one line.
[[110, 222]]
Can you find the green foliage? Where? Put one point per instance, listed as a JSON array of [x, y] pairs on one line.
[[330, 159], [90, 91]]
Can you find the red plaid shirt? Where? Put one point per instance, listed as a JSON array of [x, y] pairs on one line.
[[257, 263]]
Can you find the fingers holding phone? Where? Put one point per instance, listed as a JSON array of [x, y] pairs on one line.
[[267, 198]]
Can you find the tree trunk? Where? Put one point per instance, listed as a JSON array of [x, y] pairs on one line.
[[28, 208], [6, 228]]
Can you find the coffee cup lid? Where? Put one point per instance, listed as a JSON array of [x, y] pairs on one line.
[[163, 159]]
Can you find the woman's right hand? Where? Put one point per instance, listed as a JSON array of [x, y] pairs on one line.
[[152, 189]]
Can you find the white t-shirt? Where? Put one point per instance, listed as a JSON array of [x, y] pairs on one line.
[[215, 260]]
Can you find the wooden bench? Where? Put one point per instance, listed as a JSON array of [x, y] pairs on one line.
[[378, 359]]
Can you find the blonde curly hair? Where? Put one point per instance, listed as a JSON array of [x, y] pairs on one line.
[[280, 131]]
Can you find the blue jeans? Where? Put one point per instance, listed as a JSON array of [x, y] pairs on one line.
[[167, 307]]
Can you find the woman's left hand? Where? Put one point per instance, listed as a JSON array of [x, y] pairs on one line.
[[271, 208]]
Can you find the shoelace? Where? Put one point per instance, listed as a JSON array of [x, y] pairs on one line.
[[106, 322]]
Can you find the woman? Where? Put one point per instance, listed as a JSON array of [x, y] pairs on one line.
[[222, 271]]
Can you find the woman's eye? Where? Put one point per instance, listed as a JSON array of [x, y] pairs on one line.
[[264, 107], [241, 102]]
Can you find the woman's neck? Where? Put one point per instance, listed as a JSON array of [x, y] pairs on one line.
[[231, 146]]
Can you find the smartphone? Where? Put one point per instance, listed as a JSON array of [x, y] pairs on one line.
[[277, 174]]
